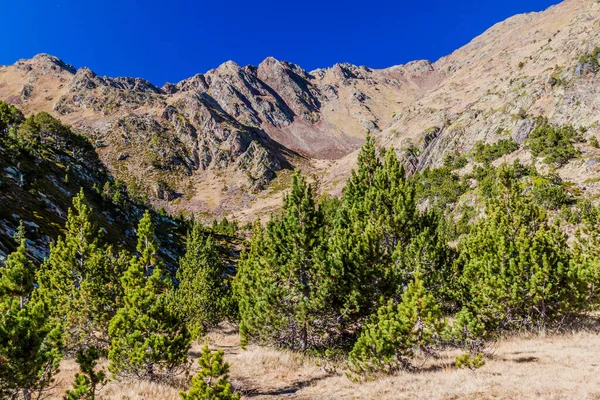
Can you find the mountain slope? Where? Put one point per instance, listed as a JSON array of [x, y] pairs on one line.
[[210, 143], [43, 165]]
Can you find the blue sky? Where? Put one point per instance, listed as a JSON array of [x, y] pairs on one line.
[[166, 41]]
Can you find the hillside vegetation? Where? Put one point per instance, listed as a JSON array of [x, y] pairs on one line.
[[399, 272], [429, 230]]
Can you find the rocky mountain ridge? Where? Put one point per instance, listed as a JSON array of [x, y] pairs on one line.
[[210, 143]]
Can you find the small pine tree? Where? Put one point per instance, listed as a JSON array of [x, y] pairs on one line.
[[388, 343], [212, 380], [148, 337], [204, 291], [87, 382], [30, 344], [77, 280], [467, 360]]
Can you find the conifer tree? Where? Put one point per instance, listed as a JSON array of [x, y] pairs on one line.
[[17, 277], [30, 344], [87, 382], [212, 380], [516, 268], [586, 255], [389, 341], [77, 281], [283, 284], [377, 233], [204, 292], [148, 337]]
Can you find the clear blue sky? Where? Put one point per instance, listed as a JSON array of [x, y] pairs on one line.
[[174, 39]]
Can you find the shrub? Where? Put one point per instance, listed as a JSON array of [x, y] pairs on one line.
[[440, 186], [212, 380], [590, 60], [453, 161], [486, 153], [554, 143], [467, 360], [388, 343], [549, 192]]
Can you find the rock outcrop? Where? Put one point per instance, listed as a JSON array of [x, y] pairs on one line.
[[236, 127]]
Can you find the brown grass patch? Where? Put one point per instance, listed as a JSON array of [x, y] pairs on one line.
[[563, 366]]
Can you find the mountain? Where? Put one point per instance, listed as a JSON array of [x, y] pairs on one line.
[[221, 142], [43, 165]]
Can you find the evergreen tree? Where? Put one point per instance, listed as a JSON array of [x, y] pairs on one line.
[[516, 269], [87, 382], [212, 380], [30, 345], [148, 337], [77, 281], [587, 255], [389, 341], [17, 277], [283, 284], [204, 291], [378, 232]]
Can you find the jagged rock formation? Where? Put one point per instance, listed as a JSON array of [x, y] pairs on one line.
[[209, 142], [233, 127]]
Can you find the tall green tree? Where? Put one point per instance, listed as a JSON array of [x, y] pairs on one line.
[[30, 344], [78, 281], [283, 284], [149, 338], [378, 232], [204, 292]]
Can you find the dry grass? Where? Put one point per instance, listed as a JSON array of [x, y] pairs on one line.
[[563, 366]]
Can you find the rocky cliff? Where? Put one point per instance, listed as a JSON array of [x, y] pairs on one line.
[[212, 142]]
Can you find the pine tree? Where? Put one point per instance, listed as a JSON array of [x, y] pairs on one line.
[[88, 380], [30, 345], [389, 341], [212, 380], [204, 292], [17, 277], [283, 284], [586, 255], [516, 269], [148, 337], [380, 237], [77, 281]]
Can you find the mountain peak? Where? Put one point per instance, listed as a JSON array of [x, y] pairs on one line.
[[47, 63]]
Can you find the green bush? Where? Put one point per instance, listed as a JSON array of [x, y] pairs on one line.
[[455, 161], [515, 267], [389, 342], [486, 153], [440, 186], [549, 192], [554, 143]]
